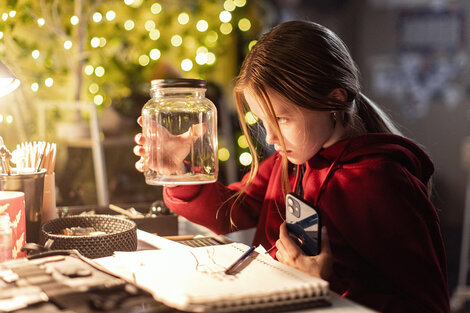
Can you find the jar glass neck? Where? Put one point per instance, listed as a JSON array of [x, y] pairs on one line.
[[178, 92]]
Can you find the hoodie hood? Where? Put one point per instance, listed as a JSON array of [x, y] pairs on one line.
[[395, 147]]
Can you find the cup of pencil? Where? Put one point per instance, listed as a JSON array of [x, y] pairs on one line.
[[33, 175]]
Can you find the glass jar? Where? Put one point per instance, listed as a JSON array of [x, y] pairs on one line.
[[179, 125]]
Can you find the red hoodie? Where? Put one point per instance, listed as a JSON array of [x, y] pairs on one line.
[[387, 247]]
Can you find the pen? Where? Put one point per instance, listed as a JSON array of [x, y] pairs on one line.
[[239, 261]]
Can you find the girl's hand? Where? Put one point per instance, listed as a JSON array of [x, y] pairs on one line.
[[166, 151], [289, 253]]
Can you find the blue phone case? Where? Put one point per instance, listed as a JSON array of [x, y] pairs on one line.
[[303, 224]]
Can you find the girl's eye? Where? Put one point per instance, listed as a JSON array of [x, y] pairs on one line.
[[281, 119]]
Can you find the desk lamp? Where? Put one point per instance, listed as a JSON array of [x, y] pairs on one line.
[[8, 80]]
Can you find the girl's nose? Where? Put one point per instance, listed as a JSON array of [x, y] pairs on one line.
[[270, 136]]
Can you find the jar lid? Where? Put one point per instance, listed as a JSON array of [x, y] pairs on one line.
[[178, 83]]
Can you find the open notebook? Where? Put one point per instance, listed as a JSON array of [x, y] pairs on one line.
[[194, 279]]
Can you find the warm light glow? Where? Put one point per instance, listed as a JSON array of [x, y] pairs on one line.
[[9, 119], [99, 71], [12, 13], [34, 87], [186, 65], [224, 154], [211, 38], [229, 5], [128, 2], [156, 8], [149, 25], [225, 16], [250, 118], [155, 54], [41, 22], [89, 69], [98, 99], [176, 40], [226, 28], [244, 24], [49, 82], [110, 15], [144, 60], [95, 42], [201, 58], [67, 44], [202, 25], [35, 54], [154, 34], [239, 3], [242, 142], [102, 42], [74, 20], [97, 17], [1, 35], [93, 88], [129, 25], [245, 158], [4, 16], [202, 50], [252, 43], [210, 58], [183, 18]]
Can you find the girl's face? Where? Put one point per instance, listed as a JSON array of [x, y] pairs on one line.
[[305, 131]]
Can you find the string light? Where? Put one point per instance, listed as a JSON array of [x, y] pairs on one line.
[[110, 15], [49, 82], [41, 22], [34, 87], [245, 159], [74, 20], [156, 8], [225, 16], [35, 54], [225, 28], [186, 65], [144, 60], [95, 42], [12, 13], [210, 58], [201, 58], [252, 43], [250, 118], [229, 5], [67, 45], [93, 88], [176, 40], [224, 154], [9, 119], [1, 35], [183, 18], [242, 142], [99, 71], [155, 54], [149, 25], [97, 17], [240, 3], [4, 16], [154, 34], [129, 25], [244, 24], [202, 25], [98, 99], [89, 69]]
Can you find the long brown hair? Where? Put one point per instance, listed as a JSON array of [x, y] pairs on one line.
[[305, 62]]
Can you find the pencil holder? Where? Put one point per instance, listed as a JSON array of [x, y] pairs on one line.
[[120, 235]]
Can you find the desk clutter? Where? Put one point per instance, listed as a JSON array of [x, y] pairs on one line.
[[64, 281]]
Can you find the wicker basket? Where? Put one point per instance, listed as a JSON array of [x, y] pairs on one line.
[[121, 235]]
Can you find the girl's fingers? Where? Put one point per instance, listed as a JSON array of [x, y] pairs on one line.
[[139, 165], [139, 139], [139, 151], [139, 121]]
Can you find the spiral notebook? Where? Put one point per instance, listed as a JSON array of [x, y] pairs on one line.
[[194, 279]]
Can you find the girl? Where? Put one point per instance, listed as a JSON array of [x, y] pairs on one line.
[[340, 152]]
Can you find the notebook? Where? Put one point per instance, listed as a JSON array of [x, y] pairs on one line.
[[194, 279]]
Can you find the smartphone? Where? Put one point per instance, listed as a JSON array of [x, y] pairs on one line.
[[303, 224]]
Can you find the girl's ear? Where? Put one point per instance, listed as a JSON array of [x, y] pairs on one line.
[[339, 94]]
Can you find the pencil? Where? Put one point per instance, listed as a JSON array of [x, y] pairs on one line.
[[239, 261]]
